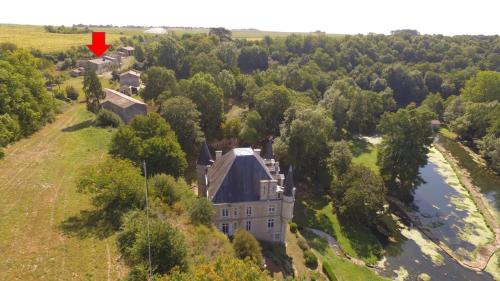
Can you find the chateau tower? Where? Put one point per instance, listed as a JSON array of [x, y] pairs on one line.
[[204, 162]]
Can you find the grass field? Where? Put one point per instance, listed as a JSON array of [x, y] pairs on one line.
[[38, 194], [343, 269], [35, 36], [32, 36], [364, 153]]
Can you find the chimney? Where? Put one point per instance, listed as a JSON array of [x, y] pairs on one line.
[[257, 151], [218, 154]]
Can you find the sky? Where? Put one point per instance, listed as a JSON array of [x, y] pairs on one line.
[[344, 17]]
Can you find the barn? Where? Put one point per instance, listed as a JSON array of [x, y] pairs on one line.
[[126, 107]]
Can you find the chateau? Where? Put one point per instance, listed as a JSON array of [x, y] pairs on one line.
[[248, 191]]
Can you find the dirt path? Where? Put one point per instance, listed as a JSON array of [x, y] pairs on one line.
[[38, 193]]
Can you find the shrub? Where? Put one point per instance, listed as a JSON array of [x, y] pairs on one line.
[[302, 244], [310, 258], [60, 95], [293, 227], [328, 270], [2, 153], [246, 246], [72, 93], [107, 118], [168, 189], [201, 211]]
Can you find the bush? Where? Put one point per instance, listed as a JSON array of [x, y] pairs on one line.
[[60, 95], [72, 93], [328, 270], [293, 227], [2, 153], [168, 189], [201, 211], [246, 246], [302, 244], [107, 118], [310, 258]]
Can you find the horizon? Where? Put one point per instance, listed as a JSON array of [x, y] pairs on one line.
[[353, 17]]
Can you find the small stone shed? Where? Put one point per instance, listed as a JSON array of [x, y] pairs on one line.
[[126, 107]]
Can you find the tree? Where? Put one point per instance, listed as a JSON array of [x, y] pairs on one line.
[[168, 248], [305, 135], [363, 196], [433, 81], [201, 211], [253, 128], [226, 82], [209, 100], [408, 85], [221, 33], [340, 159], [223, 269], [150, 138], [93, 91], [72, 93], [168, 189], [170, 53], [9, 130], [489, 147], [246, 246], [407, 136], [253, 58], [115, 186], [184, 118], [228, 53], [139, 53], [158, 80], [483, 87], [271, 103], [434, 103]]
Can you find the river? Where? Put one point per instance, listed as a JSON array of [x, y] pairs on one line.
[[445, 208]]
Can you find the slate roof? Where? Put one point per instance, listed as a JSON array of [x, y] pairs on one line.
[[204, 158], [132, 73], [289, 183], [120, 99], [236, 177]]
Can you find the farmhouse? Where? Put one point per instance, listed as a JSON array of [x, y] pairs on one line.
[[127, 51], [104, 64], [126, 107], [248, 191], [130, 82]]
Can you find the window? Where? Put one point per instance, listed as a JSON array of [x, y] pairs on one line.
[[248, 226], [249, 211], [225, 212], [235, 226], [276, 236], [225, 228], [279, 195], [235, 212], [272, 208], [270, 223]]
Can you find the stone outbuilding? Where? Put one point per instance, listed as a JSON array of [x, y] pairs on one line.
[[130, 82], [126, 107], [127, 50]]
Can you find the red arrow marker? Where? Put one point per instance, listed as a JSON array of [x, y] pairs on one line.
[[99, 45]]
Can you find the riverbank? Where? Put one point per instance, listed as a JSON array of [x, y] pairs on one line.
[[485, 252]]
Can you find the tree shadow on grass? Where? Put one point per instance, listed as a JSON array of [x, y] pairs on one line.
[[79, 126], [89, 223], [359, 146]]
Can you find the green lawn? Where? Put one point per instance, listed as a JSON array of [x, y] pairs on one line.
[[364, 153], [344, 270], [39, 194]]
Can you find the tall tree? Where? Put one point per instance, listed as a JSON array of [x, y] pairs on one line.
[[253, 58], [271, 103], [93, 90], [209, 100], [182, 115], [158, 80], [150, 138], [407, 137]]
